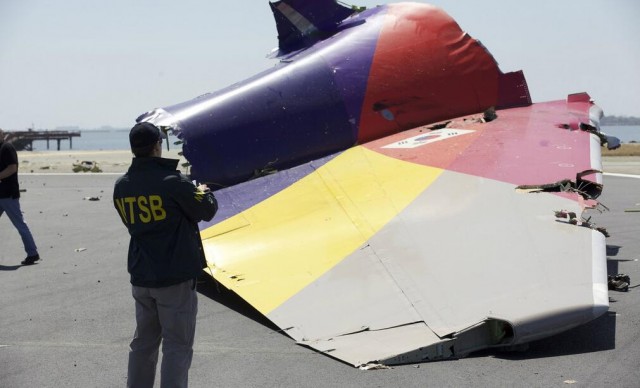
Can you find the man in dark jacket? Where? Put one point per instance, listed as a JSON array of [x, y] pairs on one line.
[[10, 197], [161, 209]]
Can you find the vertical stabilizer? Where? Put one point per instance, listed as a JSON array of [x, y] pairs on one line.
[[301, 23]]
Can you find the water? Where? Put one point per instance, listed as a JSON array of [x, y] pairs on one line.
[[118, 139], [626, 133]]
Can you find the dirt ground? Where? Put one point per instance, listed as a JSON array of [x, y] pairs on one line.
[[626, 149]]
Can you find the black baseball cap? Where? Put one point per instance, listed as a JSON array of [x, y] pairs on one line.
[[144, 134]]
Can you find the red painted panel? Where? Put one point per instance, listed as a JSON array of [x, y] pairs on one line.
[[449, 74], [522, 146]]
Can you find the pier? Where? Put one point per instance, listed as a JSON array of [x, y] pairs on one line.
[[23, 140]]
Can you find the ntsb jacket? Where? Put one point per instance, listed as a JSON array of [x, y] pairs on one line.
[[161, 209]]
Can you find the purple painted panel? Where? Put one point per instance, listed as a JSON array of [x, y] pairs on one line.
[[306, 107], [287, 116]]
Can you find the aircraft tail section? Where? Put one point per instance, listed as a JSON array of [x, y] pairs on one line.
[[513, 90], [301, 23]]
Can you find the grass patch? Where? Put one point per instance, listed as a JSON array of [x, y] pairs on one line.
[[626, 149]]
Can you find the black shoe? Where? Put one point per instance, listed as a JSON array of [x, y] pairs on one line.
[[30, 260]]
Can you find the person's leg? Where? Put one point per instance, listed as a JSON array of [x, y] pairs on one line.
[[143, 351], [177, 308], [11, 206]]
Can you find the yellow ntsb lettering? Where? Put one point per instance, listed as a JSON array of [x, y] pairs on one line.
[[145, 214], [142, 208], [155, 202]]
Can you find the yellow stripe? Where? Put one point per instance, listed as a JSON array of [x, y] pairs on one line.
[[274, 249]]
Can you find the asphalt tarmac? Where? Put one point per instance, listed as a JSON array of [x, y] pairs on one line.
[[67, 321]]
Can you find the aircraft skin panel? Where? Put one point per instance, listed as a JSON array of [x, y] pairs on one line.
[[599, 273], [375, 238], [343, 90], [326, 216], [512, 148], [314, 100], [434, 45], [363, 347], [520, 271], [551, 153], [351, 63], [425, 265], [301, 23], [357, 294], [247, 194]]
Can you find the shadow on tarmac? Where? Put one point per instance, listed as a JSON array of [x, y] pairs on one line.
[[10, 267], [595, 336], [208, 287], [612, 250]]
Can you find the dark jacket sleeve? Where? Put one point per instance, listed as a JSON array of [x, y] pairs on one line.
[[196, 205]]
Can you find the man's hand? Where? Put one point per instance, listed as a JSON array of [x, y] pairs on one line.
[[203, 188]]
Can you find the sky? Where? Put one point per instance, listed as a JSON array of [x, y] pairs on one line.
[[103, 63]]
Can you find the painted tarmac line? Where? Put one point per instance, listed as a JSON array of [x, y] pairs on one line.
[[622, 175], [70, 174]]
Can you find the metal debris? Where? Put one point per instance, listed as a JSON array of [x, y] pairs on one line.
[[86, 166], [611, 142], [586, 188], [619, 282], [374, 366], [571, 218]]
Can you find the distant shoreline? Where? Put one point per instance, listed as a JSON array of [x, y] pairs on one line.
[[63, 161], [619, 121], [626, 160]]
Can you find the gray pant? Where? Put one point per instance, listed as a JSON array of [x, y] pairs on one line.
[[166, 315]]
